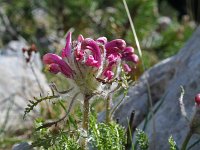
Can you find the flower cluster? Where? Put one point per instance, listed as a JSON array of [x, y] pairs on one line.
[[86, 60]]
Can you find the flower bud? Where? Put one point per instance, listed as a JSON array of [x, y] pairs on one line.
[[129, 50], [66, 52], [197, 99]]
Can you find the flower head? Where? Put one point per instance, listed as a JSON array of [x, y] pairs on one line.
[[86, 59]]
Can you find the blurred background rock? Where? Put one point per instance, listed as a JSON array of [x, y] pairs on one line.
[[46, 22]]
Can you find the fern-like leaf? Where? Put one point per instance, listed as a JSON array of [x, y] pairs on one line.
[[32, 104]]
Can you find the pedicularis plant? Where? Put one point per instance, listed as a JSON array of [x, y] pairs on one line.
[[97, 67]]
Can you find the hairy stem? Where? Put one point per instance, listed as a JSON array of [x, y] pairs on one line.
[[85, 125], [85, 114], [108, 108]]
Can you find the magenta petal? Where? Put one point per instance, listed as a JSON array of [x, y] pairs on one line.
[[91, 62], [66, 70], [113, 50], [55, 59], [51, 58], [67, 50], [126, 68], [92, 45], [113, 57], [102, 40], [108, 74], [118, 43]]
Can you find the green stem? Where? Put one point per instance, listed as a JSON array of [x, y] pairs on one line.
[[108, 108], [186, 141]]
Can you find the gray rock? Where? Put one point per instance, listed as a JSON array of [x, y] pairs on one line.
[[165, 80], [22, 146], [18, 85]]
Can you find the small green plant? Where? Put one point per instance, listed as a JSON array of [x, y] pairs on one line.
[[107, 136], [101, 136], [172, 143], [142, 139], [55, 139]]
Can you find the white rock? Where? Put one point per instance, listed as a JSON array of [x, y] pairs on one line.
[[18, 85]]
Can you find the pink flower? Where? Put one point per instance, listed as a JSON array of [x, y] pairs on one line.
[[128, 55], [131, 57], [90, 44], [128, 50], [57, 64], [91, 61], [116, 50], [108, 74]]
